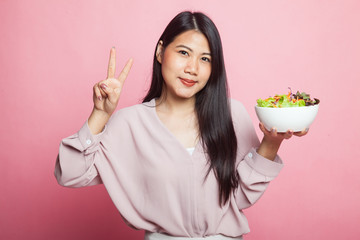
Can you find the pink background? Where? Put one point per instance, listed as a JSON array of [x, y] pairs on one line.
[[52, 52]]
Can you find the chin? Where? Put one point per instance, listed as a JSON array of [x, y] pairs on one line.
[[185, 94]]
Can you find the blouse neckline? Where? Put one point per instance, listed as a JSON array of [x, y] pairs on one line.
[[190, 151]]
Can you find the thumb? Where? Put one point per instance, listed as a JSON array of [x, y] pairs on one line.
[[108, 91], [113, 95]]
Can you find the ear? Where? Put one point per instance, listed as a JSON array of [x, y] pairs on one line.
[[159, 51]]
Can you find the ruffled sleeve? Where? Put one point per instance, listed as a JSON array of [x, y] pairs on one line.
[[75, 163], [255, 172]]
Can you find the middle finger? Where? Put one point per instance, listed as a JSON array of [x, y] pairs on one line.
[[288, 134]]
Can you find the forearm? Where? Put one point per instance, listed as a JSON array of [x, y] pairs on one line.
[[97, 121], [269, 147]]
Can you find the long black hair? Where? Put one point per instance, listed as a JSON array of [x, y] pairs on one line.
[[212, 107]]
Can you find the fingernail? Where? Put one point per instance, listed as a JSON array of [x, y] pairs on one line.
[[99, 98], [103, 86]]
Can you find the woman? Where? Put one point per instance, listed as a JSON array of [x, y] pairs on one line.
[[185, 162]]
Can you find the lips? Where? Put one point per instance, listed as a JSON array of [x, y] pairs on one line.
[[187, 82]]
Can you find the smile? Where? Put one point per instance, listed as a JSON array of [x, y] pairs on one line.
[[187, 82]]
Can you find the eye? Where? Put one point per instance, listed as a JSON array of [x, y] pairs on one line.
[[206, 59], [183, 52]]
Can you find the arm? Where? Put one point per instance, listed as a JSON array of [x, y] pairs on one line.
[[255, 171], [75, 163], [261, 164]]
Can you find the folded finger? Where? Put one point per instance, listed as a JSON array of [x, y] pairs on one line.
[[97, 92], [104, 89]]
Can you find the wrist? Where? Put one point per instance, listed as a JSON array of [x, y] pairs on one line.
[[100, 114], [97, 120], [269, 147]]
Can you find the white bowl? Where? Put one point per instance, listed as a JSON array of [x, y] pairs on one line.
[[291, 118]]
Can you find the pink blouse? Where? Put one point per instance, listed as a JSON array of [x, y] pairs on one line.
[[155, 183]]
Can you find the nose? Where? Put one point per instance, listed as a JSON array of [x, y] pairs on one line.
[[192, 66]]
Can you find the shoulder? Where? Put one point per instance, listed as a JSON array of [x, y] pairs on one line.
[[239, 114], [134, 110], [237, 108], [244, 127], [133, 114]]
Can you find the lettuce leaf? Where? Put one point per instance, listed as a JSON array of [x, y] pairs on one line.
[[282, 101]]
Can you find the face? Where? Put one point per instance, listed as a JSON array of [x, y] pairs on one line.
[[185, 64]]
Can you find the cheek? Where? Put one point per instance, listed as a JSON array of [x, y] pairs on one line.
[[169, 63]]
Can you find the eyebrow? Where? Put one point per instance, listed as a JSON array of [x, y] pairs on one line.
[[183, 46]]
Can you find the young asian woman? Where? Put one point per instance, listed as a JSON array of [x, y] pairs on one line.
[[185, 162]]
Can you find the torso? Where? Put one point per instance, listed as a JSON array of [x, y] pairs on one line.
[[184, 128], [143, 164]]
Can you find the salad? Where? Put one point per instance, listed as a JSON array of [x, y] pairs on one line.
[[288, 100]]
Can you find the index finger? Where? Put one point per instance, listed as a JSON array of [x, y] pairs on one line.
[[111, 66]]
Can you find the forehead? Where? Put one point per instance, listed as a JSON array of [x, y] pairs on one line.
[[192, 39]]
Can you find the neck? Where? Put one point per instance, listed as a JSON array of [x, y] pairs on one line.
[[177, 106]]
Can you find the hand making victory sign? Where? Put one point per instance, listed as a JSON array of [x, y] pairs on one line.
[[106, 94]]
